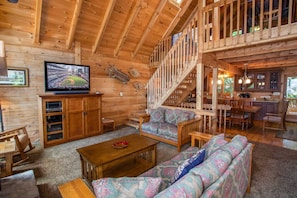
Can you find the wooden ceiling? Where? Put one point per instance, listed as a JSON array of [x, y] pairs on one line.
[[108, 27], [120, 28]]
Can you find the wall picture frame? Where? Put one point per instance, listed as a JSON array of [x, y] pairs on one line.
[[16, 77]]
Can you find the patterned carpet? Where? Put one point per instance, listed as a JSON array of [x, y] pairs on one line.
[[274, 172]]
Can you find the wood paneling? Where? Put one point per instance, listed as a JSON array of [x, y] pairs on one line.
[[20, 104]]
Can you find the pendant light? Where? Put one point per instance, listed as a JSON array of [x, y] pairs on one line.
[[245, 79]]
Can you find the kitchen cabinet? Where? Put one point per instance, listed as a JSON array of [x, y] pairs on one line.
[[266, 107], [261, 81]]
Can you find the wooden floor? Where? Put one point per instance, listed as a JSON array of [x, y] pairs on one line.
[[255, 134]]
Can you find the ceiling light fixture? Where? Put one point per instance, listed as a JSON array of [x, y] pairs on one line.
[[245, 79]]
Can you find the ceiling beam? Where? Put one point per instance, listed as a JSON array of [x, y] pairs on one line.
[[211, 61], [105, 21], [150, 25], [38, 8], [76, 13], [260, 57], [131, 19], [270, 62], [257, 50]]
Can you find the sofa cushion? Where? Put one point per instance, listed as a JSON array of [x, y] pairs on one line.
[[170, 116], [213, 167], [189, 186], [213, 144], [168, 130], [174, 116], [188, 164], [151, 126], [126, 187], [235, 146], [157, 115]]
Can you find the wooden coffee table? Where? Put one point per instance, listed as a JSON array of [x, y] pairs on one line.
[[102, 160]]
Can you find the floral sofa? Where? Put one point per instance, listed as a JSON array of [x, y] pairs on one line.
[[169, 125], [218, 169]]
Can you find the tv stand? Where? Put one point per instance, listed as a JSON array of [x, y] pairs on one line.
[[71, 92], [68, 117]]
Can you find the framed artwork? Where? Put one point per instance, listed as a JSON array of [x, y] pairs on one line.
[[16, 77]]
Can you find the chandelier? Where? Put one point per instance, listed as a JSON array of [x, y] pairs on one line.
[[245, 79]]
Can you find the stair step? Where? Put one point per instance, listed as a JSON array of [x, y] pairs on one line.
[[134, 119], [132, 124]]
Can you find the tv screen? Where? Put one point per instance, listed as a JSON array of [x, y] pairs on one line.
[[66, 78]]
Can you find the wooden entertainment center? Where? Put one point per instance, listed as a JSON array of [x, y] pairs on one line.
[[67, 117]]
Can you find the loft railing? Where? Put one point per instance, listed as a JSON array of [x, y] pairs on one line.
[[235, 23], [175, 66]]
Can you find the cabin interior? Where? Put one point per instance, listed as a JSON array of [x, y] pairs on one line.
[[143, 54], [177, 53]]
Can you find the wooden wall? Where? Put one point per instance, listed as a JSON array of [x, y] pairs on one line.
[[19, 104]]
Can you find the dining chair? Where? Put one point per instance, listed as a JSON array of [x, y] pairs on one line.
[[276, 121], [238, 116], [22, 141]]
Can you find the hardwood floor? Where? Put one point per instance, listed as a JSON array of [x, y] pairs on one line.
[[255, 134]]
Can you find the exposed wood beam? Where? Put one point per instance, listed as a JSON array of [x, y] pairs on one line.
[[260, 57], [150, 25], [270, 62], [189, 18], [128, 26], [38, 12], [74, 21], [105, 20], [212, 61], [176, 19], [260, 49]]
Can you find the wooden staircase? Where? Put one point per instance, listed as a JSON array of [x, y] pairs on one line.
[[134, 118], [182, 91], [175, 76]]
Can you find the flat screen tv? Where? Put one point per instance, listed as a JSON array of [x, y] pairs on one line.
[[63, 78]]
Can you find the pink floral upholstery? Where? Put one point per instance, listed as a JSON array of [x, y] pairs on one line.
[[213, 167], [126, 187], [213, 144], [187, 186]]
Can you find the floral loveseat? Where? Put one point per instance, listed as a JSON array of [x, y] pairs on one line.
[[169, 125], [218, 169]]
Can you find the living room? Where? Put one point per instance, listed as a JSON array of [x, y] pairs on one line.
[[34, 32]]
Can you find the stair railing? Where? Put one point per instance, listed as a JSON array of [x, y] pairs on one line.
[[176, 65]]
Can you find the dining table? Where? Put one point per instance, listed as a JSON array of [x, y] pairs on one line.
[[251, 110]]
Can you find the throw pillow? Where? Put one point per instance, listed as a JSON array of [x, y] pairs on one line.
[[126, 187], [157, 115], [188, 164]]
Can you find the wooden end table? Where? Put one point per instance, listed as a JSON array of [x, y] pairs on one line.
[[7, 149], [75, 189], [202, 138], [102, 160], [108, 122]]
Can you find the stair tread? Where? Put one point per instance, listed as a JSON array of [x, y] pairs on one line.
[[134, 119], [132, 124]]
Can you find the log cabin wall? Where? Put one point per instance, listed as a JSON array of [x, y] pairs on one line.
[[19, 104]]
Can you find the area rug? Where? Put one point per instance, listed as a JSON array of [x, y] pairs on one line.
[[274, 172], [290, 133], [274, 168]]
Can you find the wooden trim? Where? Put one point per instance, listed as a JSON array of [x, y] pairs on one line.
[[76, 13], [149, 26], [37, 21], [103, 26], [129, 23]]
